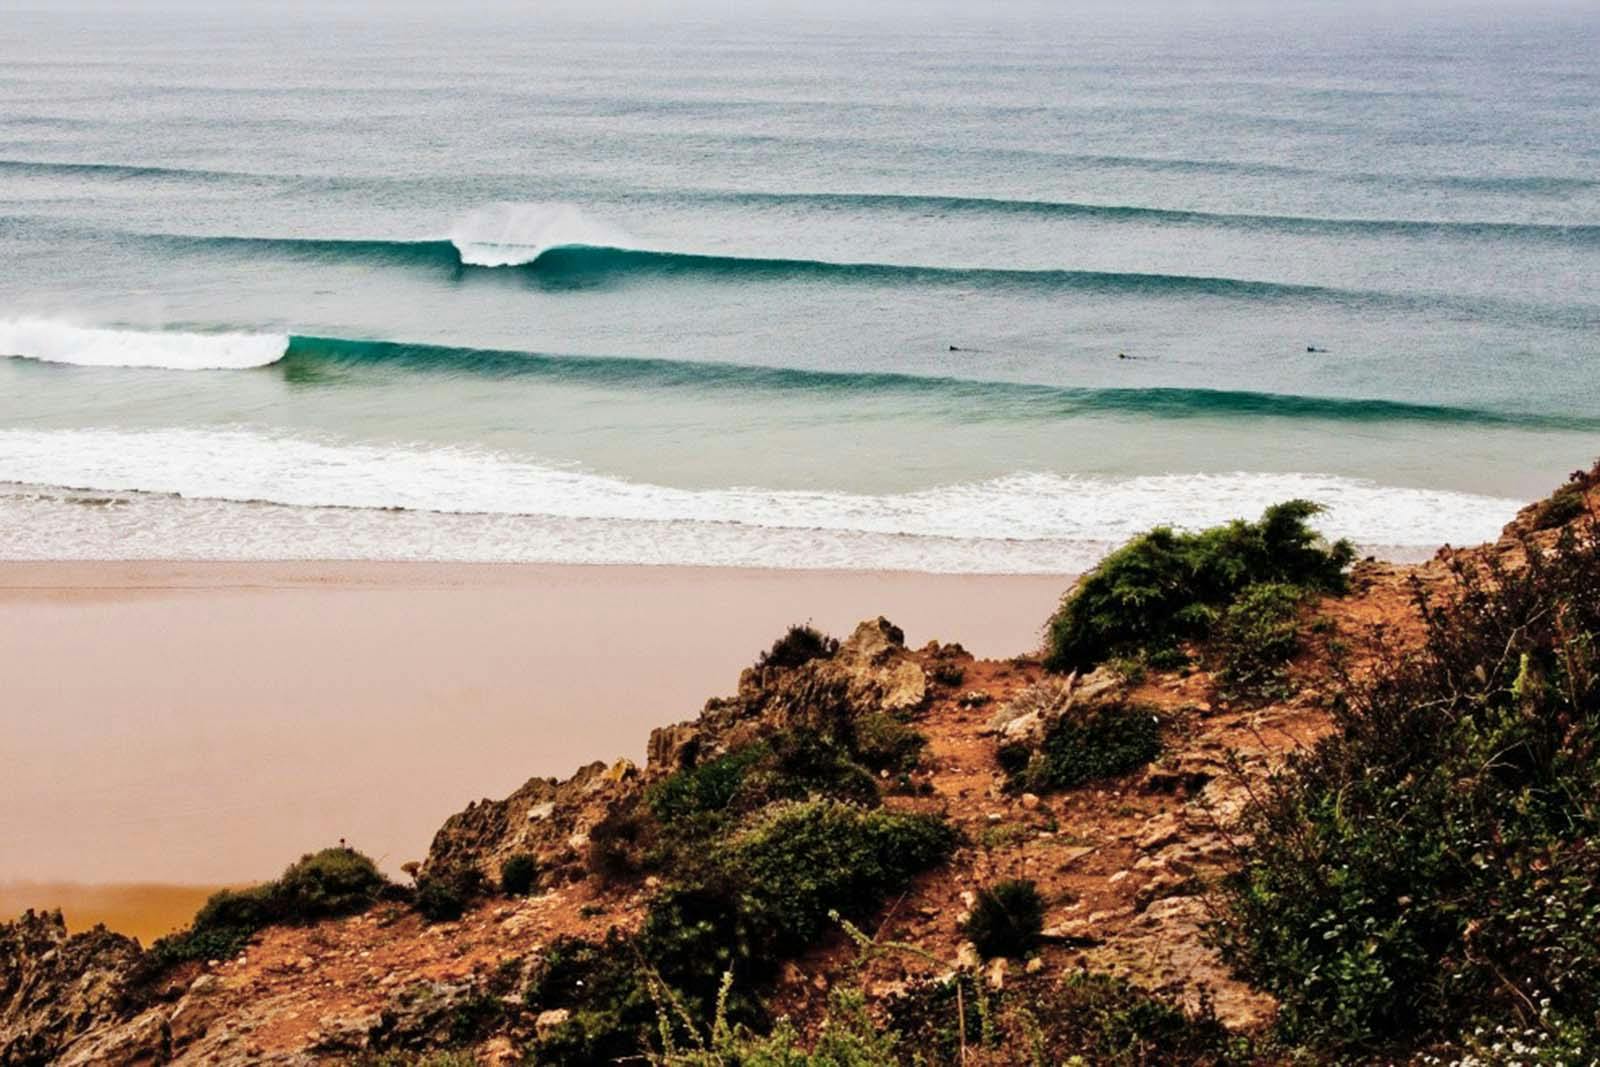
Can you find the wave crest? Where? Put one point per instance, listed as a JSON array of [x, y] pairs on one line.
[[513, 235], [87, 346]]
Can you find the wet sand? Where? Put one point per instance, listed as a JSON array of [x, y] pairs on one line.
[[206, 723]]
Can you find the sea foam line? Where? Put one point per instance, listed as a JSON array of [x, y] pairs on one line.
[[247, 466]]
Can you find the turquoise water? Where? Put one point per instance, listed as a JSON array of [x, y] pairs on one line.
[[897, 288]]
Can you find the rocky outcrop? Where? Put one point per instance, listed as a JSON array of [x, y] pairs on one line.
[[55, 989], [547, 819], [870, 672], [1027, 717]]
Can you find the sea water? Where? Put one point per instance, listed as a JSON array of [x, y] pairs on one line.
[[981, 288]]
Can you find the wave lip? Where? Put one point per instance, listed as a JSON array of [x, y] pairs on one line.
[[514, 235], [89, 346]]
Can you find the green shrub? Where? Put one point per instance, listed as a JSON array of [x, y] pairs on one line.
[[1561, 506], [1084, 745], [1081, 1020], [848, 1037], [883, 743], [707, 789], [1257, 635], [335, 881], [1165, 587], [1438, 856], [801, 861], [742, 905], [443, 895], [332, 882], [517, 874], [797, 647], [1006, 919], [619, 845]]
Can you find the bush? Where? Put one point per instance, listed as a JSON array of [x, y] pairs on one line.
[[848, 1037], [1439, 854], [619, 845], [1083, 1019], [752, 900], [1561, 506], [1166, 587], [1006, 919], [332, 882], [705, 790], [517, 875], [1257, 636], [803, 860], [443, 895], [335, 881], [739, 905], [797, 647], [1083, 745], [883, 743]]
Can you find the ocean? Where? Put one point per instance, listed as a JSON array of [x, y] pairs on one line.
[[958, 289]]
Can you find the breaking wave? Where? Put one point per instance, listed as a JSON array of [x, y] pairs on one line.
[[997, 524], [87, 346]]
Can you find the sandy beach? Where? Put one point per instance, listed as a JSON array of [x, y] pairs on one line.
[[206, 723]]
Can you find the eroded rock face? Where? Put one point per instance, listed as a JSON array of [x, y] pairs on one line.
[[543, 818], [55, 989]]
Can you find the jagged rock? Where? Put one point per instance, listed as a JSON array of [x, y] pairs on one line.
[[1161, 831], [874, 642], [423, 1016], [142, 1041], [882, 675], [550, 1020], [54, 989], [347, 1033], [672, 748], [541, 818], [195, 1013]]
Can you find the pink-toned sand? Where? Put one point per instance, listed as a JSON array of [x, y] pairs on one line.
[[207, 723]]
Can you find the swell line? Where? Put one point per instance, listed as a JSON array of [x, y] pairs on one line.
[[1523, 184], [308, 356], [584, 265], [1577, 233]]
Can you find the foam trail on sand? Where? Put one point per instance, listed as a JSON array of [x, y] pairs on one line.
[[85, 346]]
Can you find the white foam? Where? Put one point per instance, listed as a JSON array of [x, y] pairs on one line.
[[1022, 522], [509, 234], [86, 346]]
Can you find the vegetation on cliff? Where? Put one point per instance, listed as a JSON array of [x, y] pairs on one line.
[[1166, 587], [1434, 865], [320, 885]]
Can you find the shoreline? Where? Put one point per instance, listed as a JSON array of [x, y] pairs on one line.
[[204, 723]]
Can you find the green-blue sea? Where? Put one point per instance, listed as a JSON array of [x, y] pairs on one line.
[[979, 287]]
